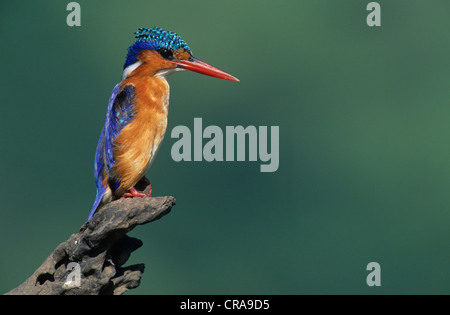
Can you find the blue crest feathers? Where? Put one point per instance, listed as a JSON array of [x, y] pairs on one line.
[[154, 39]]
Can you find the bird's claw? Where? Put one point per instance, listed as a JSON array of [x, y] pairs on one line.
[[135, 193]]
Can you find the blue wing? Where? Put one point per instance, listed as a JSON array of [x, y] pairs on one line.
[[120, 112]]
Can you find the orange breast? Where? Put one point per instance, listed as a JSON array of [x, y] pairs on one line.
[[138, 142]]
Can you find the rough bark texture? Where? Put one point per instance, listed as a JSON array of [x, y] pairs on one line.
[[100, 249]]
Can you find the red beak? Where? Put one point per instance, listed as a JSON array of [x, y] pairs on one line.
[[198, 66]]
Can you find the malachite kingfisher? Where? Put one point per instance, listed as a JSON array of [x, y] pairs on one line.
[[136, 118]]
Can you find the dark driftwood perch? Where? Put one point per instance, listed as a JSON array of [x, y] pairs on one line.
[[101, 247]]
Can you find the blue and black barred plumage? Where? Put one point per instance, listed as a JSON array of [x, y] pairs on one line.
[[154, 39], [120, 112]]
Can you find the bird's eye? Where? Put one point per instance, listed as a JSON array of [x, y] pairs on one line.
[[165, 53]]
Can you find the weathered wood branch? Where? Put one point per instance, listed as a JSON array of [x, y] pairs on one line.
[[99, 251]]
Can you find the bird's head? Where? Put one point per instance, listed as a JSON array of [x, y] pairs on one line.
[[161, 53]]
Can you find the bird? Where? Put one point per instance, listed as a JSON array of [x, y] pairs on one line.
[[136, 117]]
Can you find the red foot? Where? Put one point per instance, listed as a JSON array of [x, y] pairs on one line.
[[134, 193], [150, 189]]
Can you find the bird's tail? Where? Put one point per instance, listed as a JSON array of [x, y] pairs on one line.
[[97, 202]]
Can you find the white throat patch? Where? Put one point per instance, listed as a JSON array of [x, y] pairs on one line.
[[162, 73], [166, 72]]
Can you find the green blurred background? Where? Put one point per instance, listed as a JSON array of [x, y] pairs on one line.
[[364, 143]]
